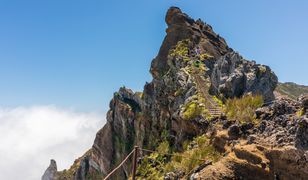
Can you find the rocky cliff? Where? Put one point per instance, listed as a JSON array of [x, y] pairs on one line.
[[183, 109]]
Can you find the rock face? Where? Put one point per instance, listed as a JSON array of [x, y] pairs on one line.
[[232, 76], [302, 134], [51, 171], [193, 65], [180, 27]]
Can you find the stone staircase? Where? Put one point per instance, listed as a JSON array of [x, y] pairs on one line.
[[214, 109]]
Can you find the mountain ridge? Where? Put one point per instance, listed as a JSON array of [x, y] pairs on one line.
[[194, 69], [291, 90]]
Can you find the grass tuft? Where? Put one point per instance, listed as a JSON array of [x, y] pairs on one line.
[[243, 109]]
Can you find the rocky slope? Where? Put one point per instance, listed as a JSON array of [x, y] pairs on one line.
[[194, 74], [275, 148]]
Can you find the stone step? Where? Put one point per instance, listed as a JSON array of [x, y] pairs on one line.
[[215, 110], [212, 109]]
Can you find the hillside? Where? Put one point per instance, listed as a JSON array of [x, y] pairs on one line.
[[291, 90], [208, 113]]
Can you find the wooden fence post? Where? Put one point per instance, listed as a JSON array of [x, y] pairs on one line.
[[135, 163]]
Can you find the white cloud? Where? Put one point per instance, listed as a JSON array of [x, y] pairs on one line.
[[31, 136]]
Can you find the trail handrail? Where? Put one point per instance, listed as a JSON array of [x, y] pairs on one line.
[[118, 167]]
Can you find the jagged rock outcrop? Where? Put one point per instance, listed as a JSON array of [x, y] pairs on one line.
[[194, 71], [51, 171], [116, 138], [232, 76], [180, 27]]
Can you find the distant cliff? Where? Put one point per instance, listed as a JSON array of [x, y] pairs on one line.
[[291, 90]]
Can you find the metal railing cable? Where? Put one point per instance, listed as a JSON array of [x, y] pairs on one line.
[[121, 164], [150, 151]]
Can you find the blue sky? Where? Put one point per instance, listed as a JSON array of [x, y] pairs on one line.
[[76, 53]]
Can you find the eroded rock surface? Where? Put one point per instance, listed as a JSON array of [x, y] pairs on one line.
[[232, 76]]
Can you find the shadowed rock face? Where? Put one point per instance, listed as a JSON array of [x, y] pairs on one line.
[[146, 119]]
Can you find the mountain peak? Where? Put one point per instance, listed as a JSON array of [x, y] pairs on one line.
[[181, 27], [175, 16], [202, 92]]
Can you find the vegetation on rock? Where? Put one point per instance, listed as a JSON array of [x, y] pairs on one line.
[[300, 112], [181, 50], [243, 109], [199, 149], [196, 107], [157, 164], [206, 56]]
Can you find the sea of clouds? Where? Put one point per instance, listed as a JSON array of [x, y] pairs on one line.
[[31, 136]]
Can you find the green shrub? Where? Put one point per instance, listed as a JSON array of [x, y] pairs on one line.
[[192, 110], [205, 56], [243, 109], [300, 112], [116, 94], [203, 152], [151, 167], [262, 69], [198, 106], [164, 147], [181, 50], [155, 165], [218, 101], [197, 63]]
